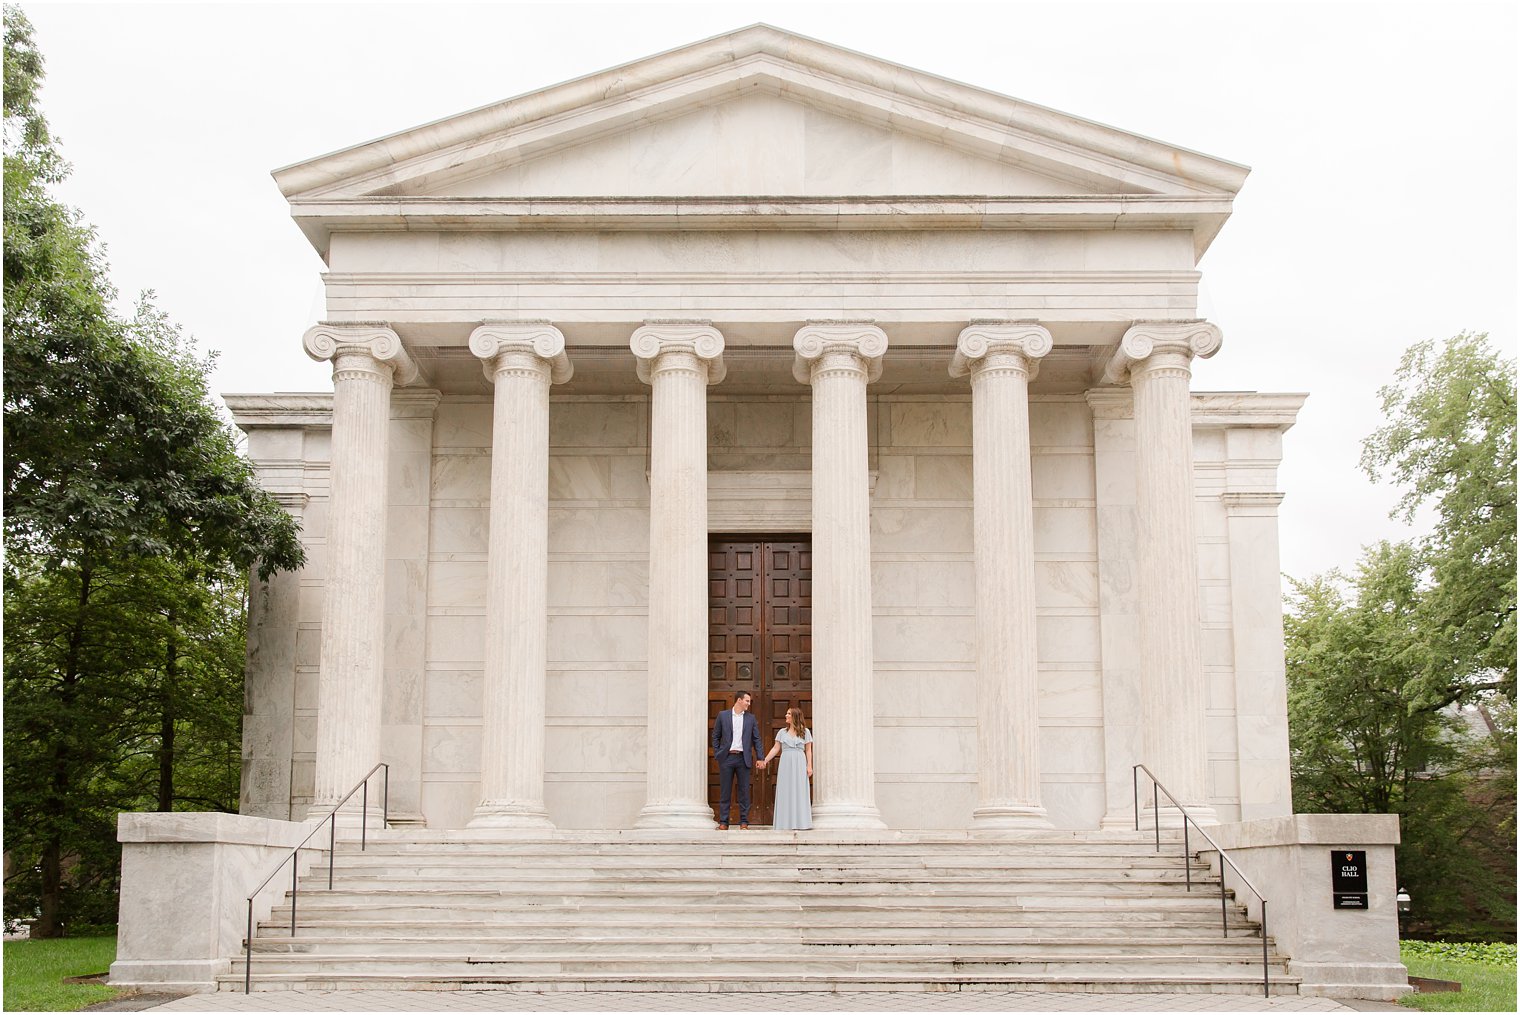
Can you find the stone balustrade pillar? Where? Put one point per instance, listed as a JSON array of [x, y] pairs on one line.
[[521, 359], [839, 360], [367, 360], [1001, 359], [678, 360], [1156, 357]]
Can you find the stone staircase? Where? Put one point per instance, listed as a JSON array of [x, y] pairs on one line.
[[760, 911]]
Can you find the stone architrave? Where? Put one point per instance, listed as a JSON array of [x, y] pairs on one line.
[[1001, 359], [368, 359], [678, 360], [522, 359], [1157, 357], [839, 359]]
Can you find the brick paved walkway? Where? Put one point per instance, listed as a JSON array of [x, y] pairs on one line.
[[440, 1001]]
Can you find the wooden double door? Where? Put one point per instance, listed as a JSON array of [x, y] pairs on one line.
[[760, 621]]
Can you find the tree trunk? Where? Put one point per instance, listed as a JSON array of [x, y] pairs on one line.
[[55, 806], [166, 718]]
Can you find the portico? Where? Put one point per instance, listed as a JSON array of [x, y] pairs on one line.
[[571, 348]]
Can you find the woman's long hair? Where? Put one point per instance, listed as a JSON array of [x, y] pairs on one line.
[[794, 722]]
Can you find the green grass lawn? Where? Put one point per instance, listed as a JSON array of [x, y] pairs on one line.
[[34, 971], [1486, 985]]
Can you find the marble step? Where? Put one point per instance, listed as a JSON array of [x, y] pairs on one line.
[[568, 867], [695, 946], [753, 888], [1015, 929], [782, 982]]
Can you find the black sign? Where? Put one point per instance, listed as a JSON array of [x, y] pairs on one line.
[[1348, 878]]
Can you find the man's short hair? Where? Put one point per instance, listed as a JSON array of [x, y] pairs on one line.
[[742, 694]]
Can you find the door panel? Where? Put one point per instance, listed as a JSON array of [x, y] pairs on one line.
[[760, 640]]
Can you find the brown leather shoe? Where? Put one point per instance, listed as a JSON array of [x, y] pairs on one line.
[[722, 828], [743, 827]]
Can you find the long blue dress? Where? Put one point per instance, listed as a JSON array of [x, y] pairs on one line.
[[794, 798]]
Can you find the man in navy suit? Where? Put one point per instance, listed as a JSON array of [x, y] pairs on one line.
[[736, 747]]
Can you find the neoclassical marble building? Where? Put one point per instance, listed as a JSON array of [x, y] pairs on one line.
[[764, 364]]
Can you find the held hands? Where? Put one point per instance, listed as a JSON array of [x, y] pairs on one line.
[[761, 762]]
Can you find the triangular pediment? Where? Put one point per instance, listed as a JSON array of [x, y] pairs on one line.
[[760, 111]]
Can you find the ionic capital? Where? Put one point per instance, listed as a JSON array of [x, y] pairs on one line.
[[822, 343], [374, 340], [1179, 341], [698, 340], [1014, 344], [535, 345]]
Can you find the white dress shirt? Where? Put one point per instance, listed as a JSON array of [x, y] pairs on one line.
[[738, 744]]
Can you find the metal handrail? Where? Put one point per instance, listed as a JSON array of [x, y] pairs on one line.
[[331, 820], [1187, 862]]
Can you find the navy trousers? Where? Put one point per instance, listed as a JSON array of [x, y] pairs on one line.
[[731, 768]]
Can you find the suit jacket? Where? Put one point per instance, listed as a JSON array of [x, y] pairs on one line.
[[723, 736]]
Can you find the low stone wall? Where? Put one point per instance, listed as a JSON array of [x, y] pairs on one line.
[[1343, 953], [185, 879]]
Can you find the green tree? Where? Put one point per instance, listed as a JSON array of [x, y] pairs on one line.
[[131, 521], [1450, 440]]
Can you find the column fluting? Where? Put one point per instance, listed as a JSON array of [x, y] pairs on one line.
[[1157, 357], [521, 360], [1001, 360], [367, 360], [839, 360], [678, 360]]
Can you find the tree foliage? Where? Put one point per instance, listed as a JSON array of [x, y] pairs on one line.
[[131, 522], [1401, 676]]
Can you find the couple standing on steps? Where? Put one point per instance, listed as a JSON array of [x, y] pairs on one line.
[[736, 747]]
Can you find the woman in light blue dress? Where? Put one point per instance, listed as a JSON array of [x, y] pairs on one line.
[[794, 797]]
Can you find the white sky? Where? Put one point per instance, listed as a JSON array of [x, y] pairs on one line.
[[1381, 209]]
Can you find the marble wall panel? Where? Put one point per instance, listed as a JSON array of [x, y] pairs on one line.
[[1214, 561], [580, 477], [597, 804], [456, 640], [596, 748], [1071, 750], [597, 693], [1208, 445], [1068, 694], [463, 424], [449, 804], [1070, 639], [303, 737], [593, 530], [931, 584], [922, 530], [621, 639], [1065, 530], [774, 424], [942, 477], [1218, 648], [933, 639], [1220, 733], [926, 749], [628, 477], [453, 694], [598, 424], [586, 584], [927, 805], [926, 693], [1214, 604], [895, 477], [929, 424], [1060, 425], [462, 477], [1062, 476], [308, 645], [405, 586], [306, 689], [459, 584], [406, 526], [1073, 804], [1066, 584], [317, 446], [459, 530], [451, 750], [309, 603]]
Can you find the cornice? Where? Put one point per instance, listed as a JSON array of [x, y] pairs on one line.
[[281, 409]]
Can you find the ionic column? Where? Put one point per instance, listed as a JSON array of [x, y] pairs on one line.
[[1156, 357], [1001, 360], [521, 360], [839, 360], [678, 360], [367, 360]]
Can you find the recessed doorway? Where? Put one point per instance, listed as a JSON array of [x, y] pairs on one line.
[[760, 620]]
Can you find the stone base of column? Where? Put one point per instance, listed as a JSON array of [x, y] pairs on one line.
[[847, 816], [1009, 818], [683, 815], [1117, 821], [1171, 817], [518, 817]]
